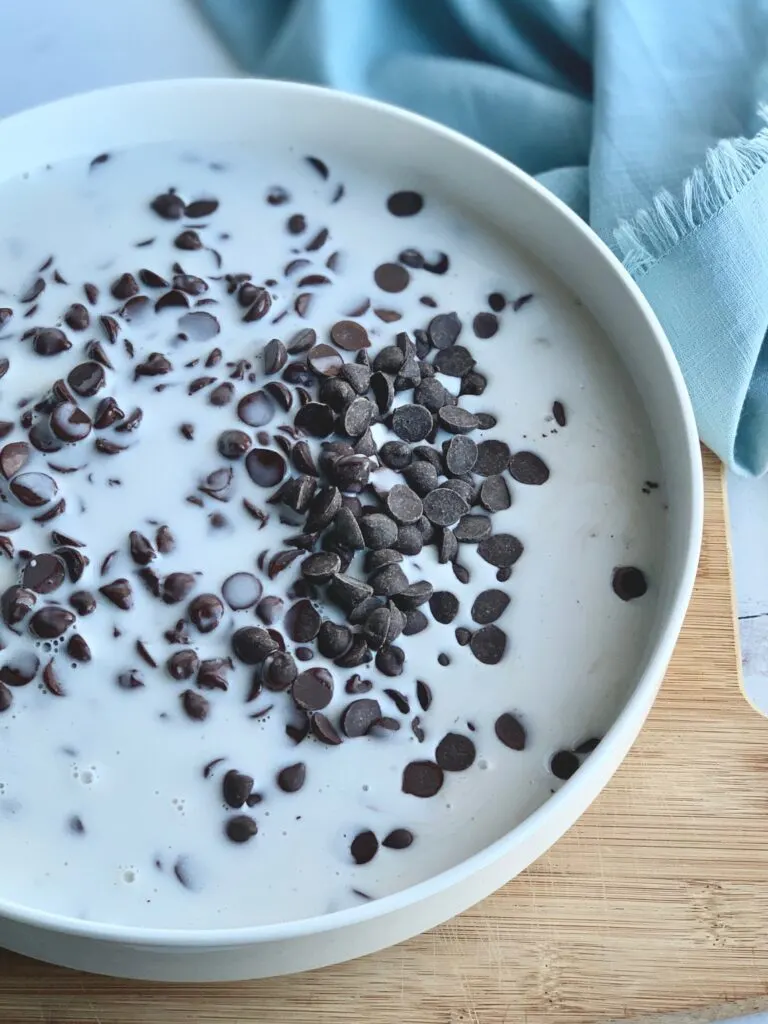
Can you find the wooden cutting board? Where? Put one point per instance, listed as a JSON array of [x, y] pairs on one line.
[[656, 901]]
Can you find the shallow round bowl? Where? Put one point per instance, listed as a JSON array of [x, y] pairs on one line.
[[211, 111]]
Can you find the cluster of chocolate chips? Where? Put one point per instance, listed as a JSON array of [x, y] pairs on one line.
[[366, 460]]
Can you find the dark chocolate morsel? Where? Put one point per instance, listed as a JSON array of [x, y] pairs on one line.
[[422, 778], [628, 582], [510, 731]]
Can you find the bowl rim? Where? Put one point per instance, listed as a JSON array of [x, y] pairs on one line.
[[668, 629]]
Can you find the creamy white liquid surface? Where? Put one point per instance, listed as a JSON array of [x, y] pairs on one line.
[[130, 764]]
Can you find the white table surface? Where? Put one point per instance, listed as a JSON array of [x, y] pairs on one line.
[[52, 48]]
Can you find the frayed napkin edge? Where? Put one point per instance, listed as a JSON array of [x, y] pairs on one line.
[[728, 167]]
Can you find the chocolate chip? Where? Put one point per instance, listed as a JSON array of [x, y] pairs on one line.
[[169, 206], [527, 468], [405, 203], [13, 457], [188, 241], [83, 602], [359, 717], [409, 539], [5, 315], [564, 764], [256, 409], [9, 522], [471, 529], [78, 649], [497, 301], [455, 361], [316, 419], [455, 752], [50, 622], [86, 378], [43, 573], [423, 695], [34, 291], [183, 664], [265, 467], [177, 587], [378, 531], [443, 506], [396, 454], [236, 787], [324, 730], [142, 551], [403, 504], [119, 592], [412, 423], [292, 778], [444, 660], [278, 671], [321, 566], [241, 590], [125, 287], [421, 476], [195, 705], [415, 622], [456, 420], [501, 550], [628, 582], [444, 606], [349, 336], [20, 669], [422, 778], [356, 684], [302, 621], [363, 847], [70, 423], [212, 674], [358, 377], [205, 612], [391, 277], [201, 208], [388, 581], [50, 341], [485, 325], [489, 645], [252, 644], [313, 689], [240, 828], [443, 330], [398, 839], [390, 660], [494, 494], [155, 365], [33, 490], [510, 731], [108, 412]]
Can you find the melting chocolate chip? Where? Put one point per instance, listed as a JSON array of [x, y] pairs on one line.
[[43, 574], [252, 644], [33, 490], [13, 458], [265, 467], [50, 622], [194, 705], [205, 612], [119, 592], [360, 716]]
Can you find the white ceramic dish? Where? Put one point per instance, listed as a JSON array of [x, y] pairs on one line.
[[212, 111]]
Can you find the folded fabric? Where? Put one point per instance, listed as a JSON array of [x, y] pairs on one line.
[[643, 115]]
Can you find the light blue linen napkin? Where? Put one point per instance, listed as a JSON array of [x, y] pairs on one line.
[[643, 115]]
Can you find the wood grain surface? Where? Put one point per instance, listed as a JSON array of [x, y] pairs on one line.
[[656, 902]]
